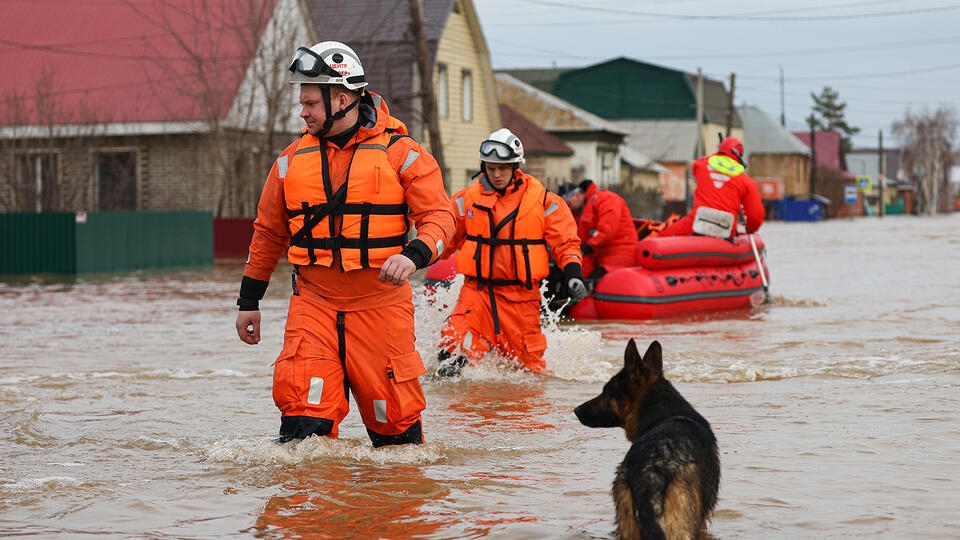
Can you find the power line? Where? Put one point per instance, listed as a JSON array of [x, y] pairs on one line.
[[929, 69], [739, 17], [821, 50]]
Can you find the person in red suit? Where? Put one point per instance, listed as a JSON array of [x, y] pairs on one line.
[[723, 189], [608, 236]]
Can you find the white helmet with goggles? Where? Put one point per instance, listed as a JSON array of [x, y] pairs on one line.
[[330, 63], [502, 146]]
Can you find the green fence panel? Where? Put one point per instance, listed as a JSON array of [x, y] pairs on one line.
[[38, 243], [68, 243], [115, 241], [896, 208]]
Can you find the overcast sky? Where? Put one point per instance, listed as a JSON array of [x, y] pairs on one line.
[[882, 56]]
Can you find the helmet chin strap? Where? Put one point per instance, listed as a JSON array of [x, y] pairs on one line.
[[328, 109]]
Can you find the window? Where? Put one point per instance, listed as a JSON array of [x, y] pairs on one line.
[[443, 108], [117, 181], [467, 96], [37, 175]]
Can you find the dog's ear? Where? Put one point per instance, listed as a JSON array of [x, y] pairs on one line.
[[653, 358], [632, 360]]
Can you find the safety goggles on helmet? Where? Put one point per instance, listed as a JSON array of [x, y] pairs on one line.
[[490, 148], [310, 64]]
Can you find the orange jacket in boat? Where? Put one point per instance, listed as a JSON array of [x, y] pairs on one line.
[[723, 185], [503, 238], [605, 224]]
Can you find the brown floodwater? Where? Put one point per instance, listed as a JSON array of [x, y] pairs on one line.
[[131, 409]]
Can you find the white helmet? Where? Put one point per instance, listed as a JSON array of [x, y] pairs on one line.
[[502, 146], [328, 62]]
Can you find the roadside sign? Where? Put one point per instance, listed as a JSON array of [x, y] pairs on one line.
[[864, 182], [850, 193]]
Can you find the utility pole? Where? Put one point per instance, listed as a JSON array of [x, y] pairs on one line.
[[783, 114], [730, 109], [426, 88], [882, 174], [700, 149], [812, 122]]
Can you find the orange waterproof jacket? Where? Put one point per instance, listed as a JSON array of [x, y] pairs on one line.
[[503, 239], [723, 184], [605, 223], [423, 193]]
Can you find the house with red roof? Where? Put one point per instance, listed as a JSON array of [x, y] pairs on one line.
[[163, 106], [177, 105]]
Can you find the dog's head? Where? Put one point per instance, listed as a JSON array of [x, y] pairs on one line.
[[625, 390]]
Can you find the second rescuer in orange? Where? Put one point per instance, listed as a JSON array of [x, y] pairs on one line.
[[508, 227]]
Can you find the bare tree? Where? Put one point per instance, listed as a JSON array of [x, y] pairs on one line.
[[44, 160], [928, 141], [243, 139]]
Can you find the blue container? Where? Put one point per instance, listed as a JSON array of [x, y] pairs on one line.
[[804, 210]]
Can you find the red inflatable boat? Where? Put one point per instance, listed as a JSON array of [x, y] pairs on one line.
[[677, 275], [674, 275]]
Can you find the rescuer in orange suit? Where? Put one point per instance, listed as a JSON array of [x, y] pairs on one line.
[[723, 187], [340, 200], [608, 236], [508, 227]]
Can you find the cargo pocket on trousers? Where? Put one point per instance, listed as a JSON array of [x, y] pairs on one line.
[[285, 393], [534, 345], [407, 395]]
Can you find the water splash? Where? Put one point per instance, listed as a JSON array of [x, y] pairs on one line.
[[573, 352], [312, 449]]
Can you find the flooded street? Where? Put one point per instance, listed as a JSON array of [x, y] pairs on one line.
[[131, 409]]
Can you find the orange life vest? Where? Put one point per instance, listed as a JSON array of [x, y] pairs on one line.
[[511, 252], [364, 221]]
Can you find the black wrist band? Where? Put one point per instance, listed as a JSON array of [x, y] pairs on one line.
[[248, 304]]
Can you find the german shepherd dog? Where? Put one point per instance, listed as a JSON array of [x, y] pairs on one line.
[[667, 485]]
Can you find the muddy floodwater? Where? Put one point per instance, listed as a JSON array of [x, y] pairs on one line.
[[129, 408]]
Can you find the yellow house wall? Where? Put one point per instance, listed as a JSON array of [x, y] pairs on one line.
[[794, 169], [710, 139], [459, 50]]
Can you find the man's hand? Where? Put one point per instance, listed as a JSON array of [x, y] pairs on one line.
[[586, 249], [248, 326], [397, 269], [577, 288]]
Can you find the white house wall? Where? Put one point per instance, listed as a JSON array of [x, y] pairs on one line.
[[588, 156], [286, 30]]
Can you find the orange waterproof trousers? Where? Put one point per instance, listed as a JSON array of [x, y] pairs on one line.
[[471, 329], [371, 352]]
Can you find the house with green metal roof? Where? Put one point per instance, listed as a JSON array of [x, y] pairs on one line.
[[655, 105], [623, 89]]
